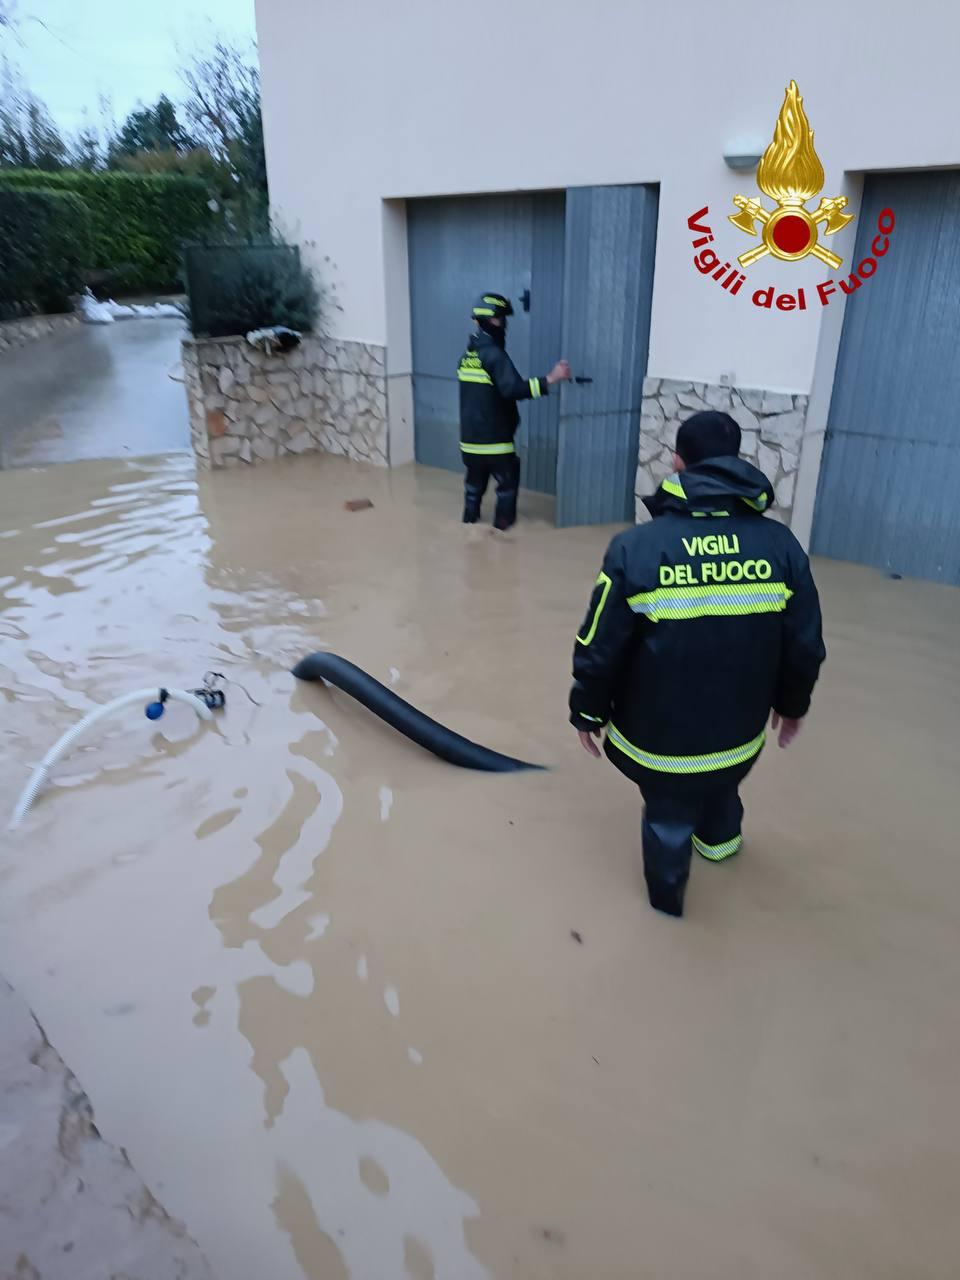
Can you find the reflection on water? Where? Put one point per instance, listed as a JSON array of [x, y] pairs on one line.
[[322, 987], [142, 594], [316, 1251]]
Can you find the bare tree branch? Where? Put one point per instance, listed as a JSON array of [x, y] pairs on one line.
[[222, 109]]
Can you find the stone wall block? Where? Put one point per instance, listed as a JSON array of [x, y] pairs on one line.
[[790, 459], [776, 402], [249, 407], [671, 407], [745, 418], [265, 450], [719, 398], [19, 333], [216, 423], [752, 398], [771, 424], [649, 444], [785, 489], [768, 460], [783, 428], [692, 402]]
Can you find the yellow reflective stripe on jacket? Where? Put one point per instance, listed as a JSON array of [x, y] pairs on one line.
[[717, 852], [708, 763], [475, 375], [720, 601], [535, 392], [758, 504], [487, 448], [673, 485], [604, 582]]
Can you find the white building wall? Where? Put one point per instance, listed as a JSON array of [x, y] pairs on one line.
[[367, 101]]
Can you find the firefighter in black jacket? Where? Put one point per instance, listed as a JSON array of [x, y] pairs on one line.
[[489, 390], [701, 622]]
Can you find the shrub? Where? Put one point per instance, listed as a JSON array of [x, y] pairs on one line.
[[44, 251], [236, 288], [138, 224]]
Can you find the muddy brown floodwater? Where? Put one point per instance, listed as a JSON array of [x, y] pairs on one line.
[[323, 989]]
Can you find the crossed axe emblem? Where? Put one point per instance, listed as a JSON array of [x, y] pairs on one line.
[[828, 211]]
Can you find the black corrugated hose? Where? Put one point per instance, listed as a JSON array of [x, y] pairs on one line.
[[416, 726]]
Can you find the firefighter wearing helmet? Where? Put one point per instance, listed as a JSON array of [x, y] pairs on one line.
[[490, 388]]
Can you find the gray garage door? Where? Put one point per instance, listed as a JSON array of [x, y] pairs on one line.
[[608, 284], [890, 479], [458, 248]]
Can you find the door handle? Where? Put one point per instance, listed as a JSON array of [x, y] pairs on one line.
[[582, 381]]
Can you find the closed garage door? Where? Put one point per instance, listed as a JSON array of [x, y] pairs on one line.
[[459, 248], [890, 479], [579, 267]]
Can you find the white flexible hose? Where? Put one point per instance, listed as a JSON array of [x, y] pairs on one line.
[[63, 744]]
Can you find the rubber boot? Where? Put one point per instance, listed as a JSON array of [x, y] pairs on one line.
[[667, 898], [667, 830], [472, 499], [507, 476]]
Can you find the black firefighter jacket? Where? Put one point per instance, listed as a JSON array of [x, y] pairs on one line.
[[490, 387], [701, 621]]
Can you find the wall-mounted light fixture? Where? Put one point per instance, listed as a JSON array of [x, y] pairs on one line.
[[743, 154]]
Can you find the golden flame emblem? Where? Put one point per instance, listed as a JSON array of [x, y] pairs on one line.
[[790, 174]]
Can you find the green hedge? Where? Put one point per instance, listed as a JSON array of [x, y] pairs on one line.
[[138, 222], [235, 288], [45, 250]]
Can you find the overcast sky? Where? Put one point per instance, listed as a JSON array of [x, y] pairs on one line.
[[126, 49]]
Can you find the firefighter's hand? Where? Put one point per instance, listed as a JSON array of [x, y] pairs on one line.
[[559, 373], [587, 741], [788, 728]]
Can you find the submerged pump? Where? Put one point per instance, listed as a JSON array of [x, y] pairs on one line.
[[205, 700], [209, 693]]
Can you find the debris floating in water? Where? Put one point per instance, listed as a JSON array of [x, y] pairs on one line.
[[357, 504], [391, 998], [386, 803]]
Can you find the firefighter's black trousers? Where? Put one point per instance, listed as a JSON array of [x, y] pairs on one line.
[[505, 470], [682, 813]]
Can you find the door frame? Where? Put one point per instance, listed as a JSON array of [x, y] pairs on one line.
[[399, 356]]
